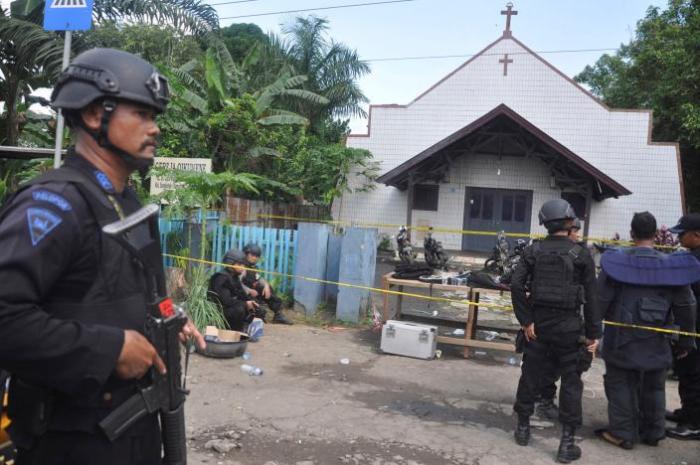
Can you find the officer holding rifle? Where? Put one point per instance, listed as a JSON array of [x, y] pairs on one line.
[[74, 301]]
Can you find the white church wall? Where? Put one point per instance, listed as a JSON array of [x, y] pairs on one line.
[[482, 171], [615, 142]]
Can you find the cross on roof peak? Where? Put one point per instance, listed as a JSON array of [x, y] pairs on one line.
[[508, 12]]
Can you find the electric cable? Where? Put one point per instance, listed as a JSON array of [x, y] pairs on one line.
[[336, 7]]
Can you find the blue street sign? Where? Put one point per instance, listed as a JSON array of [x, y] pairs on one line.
[[68, 15]]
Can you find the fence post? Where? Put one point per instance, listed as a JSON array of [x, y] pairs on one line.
[[310, 261], [358, 260]]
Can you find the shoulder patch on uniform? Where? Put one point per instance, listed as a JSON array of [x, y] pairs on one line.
[[41, 222], [52, 198], [104, 181]]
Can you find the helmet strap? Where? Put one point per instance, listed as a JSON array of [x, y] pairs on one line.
[[102, 138]]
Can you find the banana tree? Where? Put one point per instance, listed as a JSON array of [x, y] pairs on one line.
[[214, 97]]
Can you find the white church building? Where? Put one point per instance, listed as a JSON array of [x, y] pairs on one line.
[[487, 145]]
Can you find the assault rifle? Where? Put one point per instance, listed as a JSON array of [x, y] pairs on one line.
[[138, 233]]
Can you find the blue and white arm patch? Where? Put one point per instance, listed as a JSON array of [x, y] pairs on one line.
[[52, 198], [41, 222], [104, 181]]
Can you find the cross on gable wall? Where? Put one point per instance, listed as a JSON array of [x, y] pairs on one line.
[[505, 60]]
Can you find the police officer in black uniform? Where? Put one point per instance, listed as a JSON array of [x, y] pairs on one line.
[[562, 278], [688, 368], [72, 303], [259, 288], [545, 406], [644, 287], [238, 306]]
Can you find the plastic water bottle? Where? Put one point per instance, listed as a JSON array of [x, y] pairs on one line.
[[251, 370], [513, 361], [246, 356], [255, 329]]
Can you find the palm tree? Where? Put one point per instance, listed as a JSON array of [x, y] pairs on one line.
[[333, 69], [30, 56]]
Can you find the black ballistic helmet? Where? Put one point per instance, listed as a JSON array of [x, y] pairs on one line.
[[110, 76], [253, 249], [554, 214], [557, 209], [113, 74], [234, 257]]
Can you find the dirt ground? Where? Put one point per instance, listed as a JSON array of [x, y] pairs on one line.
[[309, 409]]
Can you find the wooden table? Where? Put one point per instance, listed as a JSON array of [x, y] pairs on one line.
[[389, 283]]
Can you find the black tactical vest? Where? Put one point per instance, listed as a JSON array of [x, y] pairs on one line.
[[116, 298], [553, 282]]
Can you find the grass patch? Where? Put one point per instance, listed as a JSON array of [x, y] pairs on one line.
[[324, 316]]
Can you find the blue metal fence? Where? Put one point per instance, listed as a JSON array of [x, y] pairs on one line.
[[278, 245]]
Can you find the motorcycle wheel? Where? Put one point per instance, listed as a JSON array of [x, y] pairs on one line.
[[491, 265]]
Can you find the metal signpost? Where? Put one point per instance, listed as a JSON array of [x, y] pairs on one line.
[[68, 16]]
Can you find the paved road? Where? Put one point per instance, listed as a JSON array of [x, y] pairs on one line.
[[307, 408]]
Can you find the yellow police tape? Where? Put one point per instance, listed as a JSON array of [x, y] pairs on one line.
[[438, 229], [354, 286], [652, 328], [420, 296]]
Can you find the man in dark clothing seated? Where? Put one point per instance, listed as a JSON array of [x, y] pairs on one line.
[[258, 288], [238, 306]]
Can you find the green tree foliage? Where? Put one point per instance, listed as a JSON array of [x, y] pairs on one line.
[[213, 115], [162, 46], [31, 57], [321, 173], [240, 39], [660, 69]]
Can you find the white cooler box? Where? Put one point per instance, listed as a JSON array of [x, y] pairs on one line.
[[409, 339]]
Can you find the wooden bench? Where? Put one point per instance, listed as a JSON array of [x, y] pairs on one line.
[[469, 341]]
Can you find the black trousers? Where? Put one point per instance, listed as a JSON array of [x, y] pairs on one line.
[[548, 380], [274, 302], [562, 352], [139, 446], [688, 371], [636, 403], [237, 315]]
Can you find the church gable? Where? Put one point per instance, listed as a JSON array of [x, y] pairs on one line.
[[609, 144]]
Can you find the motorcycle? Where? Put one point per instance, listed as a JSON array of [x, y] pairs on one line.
[[435, 255], [503, 260], [499, 255], [406, 253]]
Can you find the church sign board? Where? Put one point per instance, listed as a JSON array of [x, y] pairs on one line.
[[164, 183]]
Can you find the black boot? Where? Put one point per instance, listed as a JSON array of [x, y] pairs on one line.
[[281, 319], [547, 409], [522, 431], [568, 450]]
